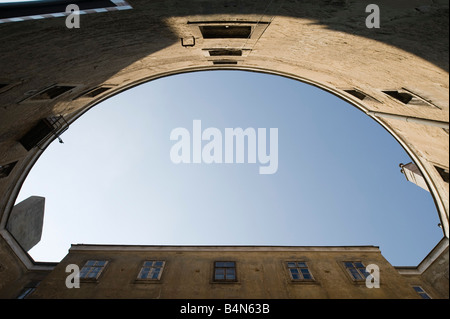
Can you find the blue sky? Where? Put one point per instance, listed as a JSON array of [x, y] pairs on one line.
[[338, 180]]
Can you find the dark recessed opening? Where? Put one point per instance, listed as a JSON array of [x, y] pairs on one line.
[[443, 172], [224, 62], [226, 32], [5, 170], [403, 97], [225, 52], [356, 94], [52, 92], [38, 133], [2, 85], [96, 91]]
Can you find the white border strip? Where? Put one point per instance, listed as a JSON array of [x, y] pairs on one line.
[[120, 5]]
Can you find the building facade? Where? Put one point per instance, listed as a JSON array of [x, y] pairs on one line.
[[234, 272], [396, 74]]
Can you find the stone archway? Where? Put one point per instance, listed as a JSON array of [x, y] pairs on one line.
[[397, 74]]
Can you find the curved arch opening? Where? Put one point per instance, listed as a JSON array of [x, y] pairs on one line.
[[337, 183]]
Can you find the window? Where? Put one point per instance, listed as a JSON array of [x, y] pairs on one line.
[[357, 270], [92, 269], [357, 94], [225, 52], [5, 170], [151, 270], [52, 93], [40, 132], [226, 32], [28, 290], [407, 97], [224, 271], [421, 292], [298, 270], [443, 172], [403, 97]]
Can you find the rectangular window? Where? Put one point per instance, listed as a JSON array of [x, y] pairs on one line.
[[421, 292], [225, 52], [151, 270], [92, 269], [52, 93], [357, 270], [299, 271], [37, 134], [28, 290], [226, 32], [225, 271]]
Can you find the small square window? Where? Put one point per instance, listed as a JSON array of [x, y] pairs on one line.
[[92, 269], [225, 271], [299, 271], [421, 292], [357, 270], [151, 270]]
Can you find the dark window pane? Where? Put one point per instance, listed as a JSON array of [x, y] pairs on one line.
[[424, 296], [219, 277], [355, 274], [294, 271], [291, 264], [307, 276], [295, 276], [304, 271], [418, 289], [359, 265], [159, 263], [349, 265], [220, 271], [302, 265]]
